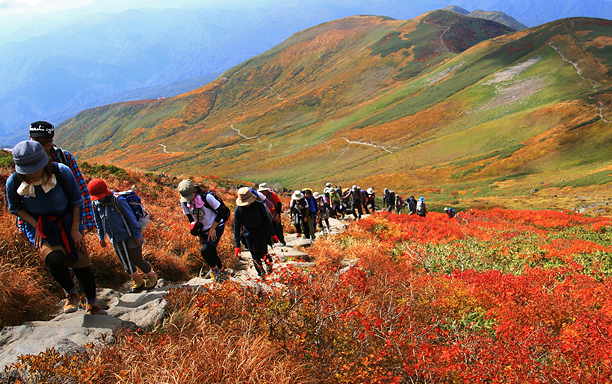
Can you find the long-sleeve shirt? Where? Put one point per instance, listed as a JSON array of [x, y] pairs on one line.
[[111, 222], [53, 202], [64, 157]]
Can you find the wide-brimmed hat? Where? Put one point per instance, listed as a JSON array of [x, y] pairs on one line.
[[98, 189], [370, 191], [422, 199], [186, 189], [316, 195], [263, 187], [328, 184], [297, 195], [245, 197], [42, 129], [29, 157], [446, 208]]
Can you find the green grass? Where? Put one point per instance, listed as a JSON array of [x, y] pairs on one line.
[[596, 178]]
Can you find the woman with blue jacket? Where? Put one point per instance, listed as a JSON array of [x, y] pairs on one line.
[[45, 195], [115, 218]]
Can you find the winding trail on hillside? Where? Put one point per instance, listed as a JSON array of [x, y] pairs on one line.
[[251, 138], [601, 106], [368, 144]]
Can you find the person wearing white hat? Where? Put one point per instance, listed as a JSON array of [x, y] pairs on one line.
[[298, 207], [371, 199], [251, 222], [323, 210]]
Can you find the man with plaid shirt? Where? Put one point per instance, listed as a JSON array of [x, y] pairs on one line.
[[43, 132]]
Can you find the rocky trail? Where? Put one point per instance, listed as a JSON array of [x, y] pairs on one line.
[[68, 333]]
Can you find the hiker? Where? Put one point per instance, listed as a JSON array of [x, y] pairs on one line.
[[412, 204], [324, 211], [252, 222], [45, 195], [44, 132], [391, 201], [364, 200], [207, 216], [115, 218], [449, 212], [335, 203], [371, 199], [275, 207], [399, 204], [328, 187], [298, 207], [310, 218], [347, 202], [421, 209], [357, 202]]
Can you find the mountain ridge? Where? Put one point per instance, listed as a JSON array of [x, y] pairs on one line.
[[371, 100]]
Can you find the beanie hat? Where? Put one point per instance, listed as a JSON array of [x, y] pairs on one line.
[[29, 157], [186, 189], [42, 129], [98, 189]]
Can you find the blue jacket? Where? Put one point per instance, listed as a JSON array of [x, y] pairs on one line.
[[113, 224], [52, 203]]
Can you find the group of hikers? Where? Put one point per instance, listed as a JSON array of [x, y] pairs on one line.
[[55, 207]]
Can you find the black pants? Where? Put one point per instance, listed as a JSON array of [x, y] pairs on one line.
[[209, 248], [56, 261]]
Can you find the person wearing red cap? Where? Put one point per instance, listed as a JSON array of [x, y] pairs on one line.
[[115, 218]]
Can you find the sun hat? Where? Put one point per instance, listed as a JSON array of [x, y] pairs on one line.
[[29, 157], [446, 208], [370, 191], [42, 129], [186, 189], [421, 198], [245, 197], [263, 187], [328, 184], [297, 195], [316, 195], [98, 189]]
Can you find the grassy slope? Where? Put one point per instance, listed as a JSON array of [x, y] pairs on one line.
[[448, 118]]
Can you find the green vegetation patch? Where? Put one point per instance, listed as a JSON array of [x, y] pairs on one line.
[[596, 178], [102, 170], [6, 159]]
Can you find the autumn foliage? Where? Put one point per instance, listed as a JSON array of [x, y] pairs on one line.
[[495, 296]]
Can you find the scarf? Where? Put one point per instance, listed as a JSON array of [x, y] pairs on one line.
[[27, 189]]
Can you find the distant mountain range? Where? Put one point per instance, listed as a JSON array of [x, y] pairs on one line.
[[71, 62], [442, 103]]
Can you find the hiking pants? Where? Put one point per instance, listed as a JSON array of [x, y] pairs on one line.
[[257, 243], [56, 261], [131, 258], [278, 231], [209, 248], [310, 229], [357, 206], [299, 224]]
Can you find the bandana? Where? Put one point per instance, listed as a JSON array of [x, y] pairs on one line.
[[26, 189]]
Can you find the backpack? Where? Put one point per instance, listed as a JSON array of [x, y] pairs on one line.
[[419, 207], [226, 212], [135, 203]]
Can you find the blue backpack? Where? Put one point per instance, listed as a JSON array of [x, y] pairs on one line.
[[135, 203]]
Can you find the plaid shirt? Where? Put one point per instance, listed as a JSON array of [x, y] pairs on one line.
[[67, 159]]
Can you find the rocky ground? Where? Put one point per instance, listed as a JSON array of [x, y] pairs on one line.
[[67, 333]]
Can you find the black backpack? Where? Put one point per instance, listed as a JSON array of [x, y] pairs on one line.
[[225, 212]]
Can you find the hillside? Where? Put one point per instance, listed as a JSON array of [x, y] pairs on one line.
[[446, 106], [499, 17]]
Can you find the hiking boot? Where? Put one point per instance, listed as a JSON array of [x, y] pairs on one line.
[[72, 303], [138, 285], [213, 275], [151, 281], [92, 309], [269, 268]]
